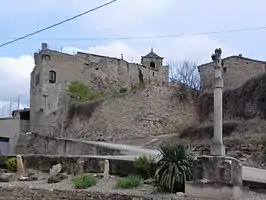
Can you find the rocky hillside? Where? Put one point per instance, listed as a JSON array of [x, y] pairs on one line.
[[152, 111], [244, 127], [246, 102]]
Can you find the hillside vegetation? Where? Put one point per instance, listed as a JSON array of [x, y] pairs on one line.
[[243, 103]]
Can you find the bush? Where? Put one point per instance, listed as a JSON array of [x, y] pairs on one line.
[[128, 182], [174, 167], [123, 90], [84, 181], [80, 92], [146, 166], [11, 164]]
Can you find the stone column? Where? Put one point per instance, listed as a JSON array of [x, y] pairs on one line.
[[217, 147], [216, 176]]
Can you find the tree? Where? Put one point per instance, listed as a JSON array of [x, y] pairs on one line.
[[185, 73]]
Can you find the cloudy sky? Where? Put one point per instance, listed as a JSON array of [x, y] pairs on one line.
[[126, 18]]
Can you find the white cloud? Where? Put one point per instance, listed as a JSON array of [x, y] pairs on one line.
[[14, 77], [197, 48]]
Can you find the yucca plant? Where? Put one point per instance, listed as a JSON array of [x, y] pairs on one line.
[[174, 167]]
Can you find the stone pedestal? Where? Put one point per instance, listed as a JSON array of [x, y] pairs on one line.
[[216, 177], [217, 149]]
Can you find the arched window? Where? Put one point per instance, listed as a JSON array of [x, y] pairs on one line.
[[52, 76], [152, 64]]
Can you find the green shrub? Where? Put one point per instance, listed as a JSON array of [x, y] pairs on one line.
[[146, 166], [11, 164], [80, 92], [174, 167], [84, 181], [123, 90], [128, 182]]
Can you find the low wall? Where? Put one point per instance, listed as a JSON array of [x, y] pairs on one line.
[[38, 144], [92, 164], [17, 193]]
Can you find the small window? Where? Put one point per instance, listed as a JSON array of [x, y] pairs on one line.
[[46, 57], [37, 79], [52, 76], [152, 64], [153, 74]]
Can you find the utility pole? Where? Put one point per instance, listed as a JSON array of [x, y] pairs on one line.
[[218, 149], [18, 102], [10, 109]]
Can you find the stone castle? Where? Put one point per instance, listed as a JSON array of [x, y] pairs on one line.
[[54, 71]]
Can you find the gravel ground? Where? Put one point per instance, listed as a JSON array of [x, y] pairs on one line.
[[108, 187]]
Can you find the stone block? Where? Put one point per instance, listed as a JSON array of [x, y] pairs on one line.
[[216, 177], [217, 149]]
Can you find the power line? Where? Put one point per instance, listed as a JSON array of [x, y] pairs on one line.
[[59, 23], [158, 36]]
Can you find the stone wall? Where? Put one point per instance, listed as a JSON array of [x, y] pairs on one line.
[[25, 193], [149, 112], [236, 67], [38, 144], [91, 164], [100, 72]]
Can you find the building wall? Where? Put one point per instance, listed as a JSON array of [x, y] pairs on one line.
[[239, 70], [10, 128], [49, 101]]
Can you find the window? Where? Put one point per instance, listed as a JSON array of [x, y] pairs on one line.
[[37, 79], [52, 76], [153, 73], [46, 57], [152, 64]]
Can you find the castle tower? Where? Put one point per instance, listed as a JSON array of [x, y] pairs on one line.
[[152, 60]]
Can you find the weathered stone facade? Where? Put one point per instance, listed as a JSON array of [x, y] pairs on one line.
[[238, 70], [54, 71]]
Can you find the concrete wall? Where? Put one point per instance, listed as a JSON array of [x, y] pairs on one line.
[[49, 100], [37, 144], [10, 128], [239, 70], [151, 111]]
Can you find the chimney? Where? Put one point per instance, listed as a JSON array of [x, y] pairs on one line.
[[122, 56], [44, 46], [240, 55]]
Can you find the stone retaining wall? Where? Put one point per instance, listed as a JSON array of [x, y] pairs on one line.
[[92, 164], [25, 193]]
